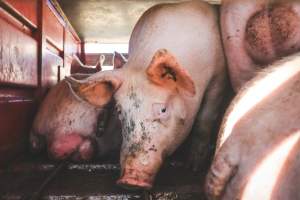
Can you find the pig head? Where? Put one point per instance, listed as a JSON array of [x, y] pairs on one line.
[[72, 128]]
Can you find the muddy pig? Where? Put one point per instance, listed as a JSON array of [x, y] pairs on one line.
[[69, 126], [258, 153], [175, 70], [256, 33]]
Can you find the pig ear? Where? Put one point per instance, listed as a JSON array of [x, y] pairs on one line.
[[119, 60], [96, 92], [100, 62], [164, 70]]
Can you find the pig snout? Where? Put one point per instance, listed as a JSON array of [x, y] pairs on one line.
[[72, 146], [139, 173]]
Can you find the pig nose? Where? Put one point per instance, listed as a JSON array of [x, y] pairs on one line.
[[64, 146], [134, 179]]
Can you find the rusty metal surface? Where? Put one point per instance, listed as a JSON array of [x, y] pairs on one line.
[[17, 108], [51, 65], [53, 28], [18, 56], [94, 181], [27, 8]]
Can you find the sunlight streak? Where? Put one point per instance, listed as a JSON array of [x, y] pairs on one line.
[[264, 178], [105, 48], [281, 72]]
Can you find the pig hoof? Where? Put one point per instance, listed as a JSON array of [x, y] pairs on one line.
[[37, 143], [218, 177], [135, 180]]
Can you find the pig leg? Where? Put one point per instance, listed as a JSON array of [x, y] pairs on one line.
[[205, 124], [223, 168]]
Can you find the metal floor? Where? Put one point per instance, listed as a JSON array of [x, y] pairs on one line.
[[22, 180]]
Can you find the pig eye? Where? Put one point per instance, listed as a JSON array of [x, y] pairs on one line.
[[160, 111], [118, 109]]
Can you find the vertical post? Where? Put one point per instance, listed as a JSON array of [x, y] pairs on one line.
[[41, 38], [82, 53]]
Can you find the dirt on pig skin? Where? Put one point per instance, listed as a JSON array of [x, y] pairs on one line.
[[169, 82], [256, 33]]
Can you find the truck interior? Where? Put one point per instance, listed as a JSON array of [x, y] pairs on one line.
[[39, 40]]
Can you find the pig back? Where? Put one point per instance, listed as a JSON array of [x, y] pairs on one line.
[[188, 30]]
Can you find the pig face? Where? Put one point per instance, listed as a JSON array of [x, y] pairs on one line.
[[71, 128], [153, 111]]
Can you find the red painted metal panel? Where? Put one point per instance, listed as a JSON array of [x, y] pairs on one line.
[[27, 8], [67, 66], [54, 30], [50, 69], [71, 44], [17, 108], [18, 56]]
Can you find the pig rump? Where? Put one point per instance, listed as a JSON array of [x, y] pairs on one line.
[[258, 144]]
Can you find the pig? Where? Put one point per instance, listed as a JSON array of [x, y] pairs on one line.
[[258, 151], [175, 73], [256, 33], [118, 60], [73, 129], [78, 67]]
